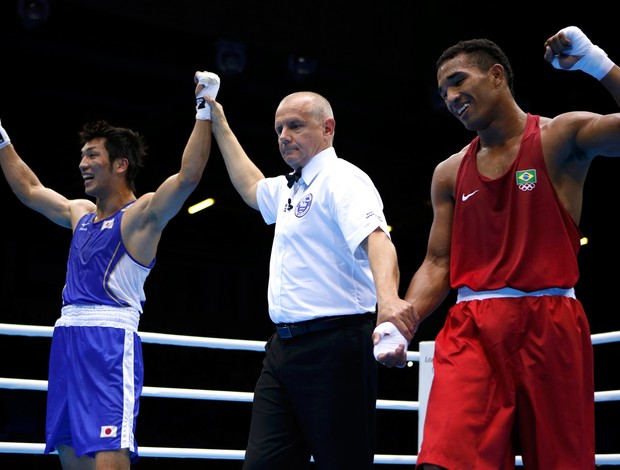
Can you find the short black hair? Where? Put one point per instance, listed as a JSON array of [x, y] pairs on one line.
[[120, 142], [484, 53]]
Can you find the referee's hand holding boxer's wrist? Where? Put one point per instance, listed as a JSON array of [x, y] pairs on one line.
[[390, 345]]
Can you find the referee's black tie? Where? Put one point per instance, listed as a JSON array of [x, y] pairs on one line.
[[293, 177]]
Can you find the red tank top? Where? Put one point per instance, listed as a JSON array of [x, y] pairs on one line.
[[512, 231]]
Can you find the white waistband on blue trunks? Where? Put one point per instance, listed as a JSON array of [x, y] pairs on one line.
[[126, 318], [465, 293]]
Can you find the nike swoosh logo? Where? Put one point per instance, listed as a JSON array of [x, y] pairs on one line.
[[465, 197]]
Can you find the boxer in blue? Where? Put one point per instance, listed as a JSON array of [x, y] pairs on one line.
[[95, 366]]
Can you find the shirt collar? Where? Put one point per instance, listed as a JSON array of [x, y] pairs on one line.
[[316, 163]]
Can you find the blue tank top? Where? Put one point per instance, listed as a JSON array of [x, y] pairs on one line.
[[99, 269]]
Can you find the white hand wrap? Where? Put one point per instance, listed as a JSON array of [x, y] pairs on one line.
[[391, 338], [211, 84], [4, 138], [594, 61]]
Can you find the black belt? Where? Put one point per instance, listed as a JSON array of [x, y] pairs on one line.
[[290, 330]]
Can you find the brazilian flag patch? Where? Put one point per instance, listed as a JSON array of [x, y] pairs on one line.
[[526, 176]]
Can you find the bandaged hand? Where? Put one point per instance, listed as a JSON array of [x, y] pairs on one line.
[[391, 339], [4, 138], [593, 61], [211, 84]]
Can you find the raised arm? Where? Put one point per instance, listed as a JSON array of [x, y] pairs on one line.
[[144, 222], [243, 173], [570, 49], [30, 191], [572, 140], [168, 199]]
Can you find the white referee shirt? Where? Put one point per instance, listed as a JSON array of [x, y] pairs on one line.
[[317, 266]]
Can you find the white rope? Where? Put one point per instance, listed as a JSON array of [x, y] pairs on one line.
[[157, 338], [188, 453], [160, 338], [611, 337], [162, 392], [611, 395], [25, 330]]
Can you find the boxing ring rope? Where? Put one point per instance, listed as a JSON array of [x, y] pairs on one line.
[[426, 349]]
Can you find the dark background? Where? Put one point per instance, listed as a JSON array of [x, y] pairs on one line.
[[132, 63]]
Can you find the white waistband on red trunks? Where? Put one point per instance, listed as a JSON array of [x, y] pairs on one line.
[[465, 293], [126, 318]]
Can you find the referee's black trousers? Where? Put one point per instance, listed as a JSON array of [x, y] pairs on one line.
[[316, 397]]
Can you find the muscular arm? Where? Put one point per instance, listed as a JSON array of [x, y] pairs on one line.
[[572, 140], [431, 282], [243, 173], [30, 191], [147, 218], [588, 134], [169, 197], [611, 82]]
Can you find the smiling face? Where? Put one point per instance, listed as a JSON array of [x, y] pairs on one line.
[[469, 92], [304, 128], [96, 168], [475, 80]]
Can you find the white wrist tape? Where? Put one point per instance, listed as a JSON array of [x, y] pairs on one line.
[[391, 338], [211, 84], [4, 138], [203, 110], [594, 60]]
